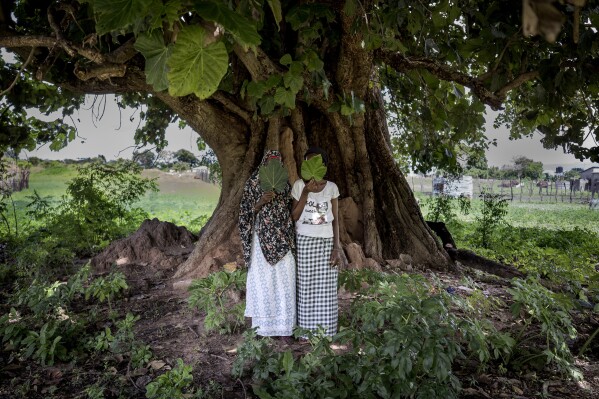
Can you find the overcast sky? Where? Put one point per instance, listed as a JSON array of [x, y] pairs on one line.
[[530, 147], [112, 135]]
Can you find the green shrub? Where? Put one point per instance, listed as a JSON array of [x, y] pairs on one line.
[[440, 208], [105, 289], [172, 384], [95, 392], [213, 295], [534, 304], [492, 214], [42, 326], [140, 355], [402, 341], [44, 345], [97, 209]]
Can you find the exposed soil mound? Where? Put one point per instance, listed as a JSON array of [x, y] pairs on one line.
[[156, 245]]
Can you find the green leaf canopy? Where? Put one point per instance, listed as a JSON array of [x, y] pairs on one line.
[[314, 168], [273, 176]]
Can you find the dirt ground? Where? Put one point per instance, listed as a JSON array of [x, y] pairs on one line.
[[173, 330]]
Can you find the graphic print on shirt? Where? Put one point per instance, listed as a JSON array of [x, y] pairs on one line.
[[316, 212]]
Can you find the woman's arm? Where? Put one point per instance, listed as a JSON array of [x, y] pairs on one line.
[[298, 205], [337, 255], [265, 199], [336, 242]]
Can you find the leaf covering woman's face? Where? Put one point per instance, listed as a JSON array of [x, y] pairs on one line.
[[313, 167], [273, 176]]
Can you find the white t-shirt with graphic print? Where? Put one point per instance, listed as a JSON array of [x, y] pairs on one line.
[[317, 217]]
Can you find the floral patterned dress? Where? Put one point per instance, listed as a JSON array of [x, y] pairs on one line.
[[268, 240]]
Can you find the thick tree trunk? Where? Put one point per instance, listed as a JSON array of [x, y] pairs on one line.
[[361, 165]]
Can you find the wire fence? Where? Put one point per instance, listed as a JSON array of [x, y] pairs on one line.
[[518, 190]]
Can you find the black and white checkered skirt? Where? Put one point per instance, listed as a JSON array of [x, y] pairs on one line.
[[316, 285]]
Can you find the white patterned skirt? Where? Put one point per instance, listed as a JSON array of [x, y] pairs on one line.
[[270, 296], [316, 285]]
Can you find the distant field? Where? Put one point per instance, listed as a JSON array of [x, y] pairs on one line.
[[181, 198], [551, 216]]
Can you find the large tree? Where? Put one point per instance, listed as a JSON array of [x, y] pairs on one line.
[[253, 74]]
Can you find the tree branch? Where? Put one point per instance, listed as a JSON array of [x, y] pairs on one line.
[[258, 64], [102, 72], [19, 72], [60, 40], [231, 105], [402, 63], [121, 55], [27, 41], [133, 80], [209, 119], [517, 82]]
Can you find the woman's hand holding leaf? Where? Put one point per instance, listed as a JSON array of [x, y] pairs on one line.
[[265, 199], [311, 187]]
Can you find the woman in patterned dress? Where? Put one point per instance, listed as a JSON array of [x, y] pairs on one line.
[[268, 240], [315, 211]]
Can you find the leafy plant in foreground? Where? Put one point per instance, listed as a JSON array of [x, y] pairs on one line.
[[402, 341], [105, 288], [172, 384], [534, 303], [45, 345], [218, 296], [493, 212]]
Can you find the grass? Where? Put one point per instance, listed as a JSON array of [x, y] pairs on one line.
[[553, 216], [180, 199], [559, 241]]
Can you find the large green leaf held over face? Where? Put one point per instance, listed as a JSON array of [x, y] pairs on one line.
[[273, 176], [314, 168], [195, 67]]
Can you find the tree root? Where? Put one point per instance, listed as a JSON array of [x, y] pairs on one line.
[[474, 261]]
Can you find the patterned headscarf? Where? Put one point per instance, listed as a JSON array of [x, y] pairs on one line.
[[273, 222]]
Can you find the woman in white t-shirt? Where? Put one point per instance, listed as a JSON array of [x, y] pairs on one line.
[[319, 252]]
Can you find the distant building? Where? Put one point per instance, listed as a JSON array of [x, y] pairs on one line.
[[591, 175], [453, 187]]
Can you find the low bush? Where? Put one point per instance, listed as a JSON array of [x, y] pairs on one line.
[[173, 384], [218, 295], [402, 340]]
